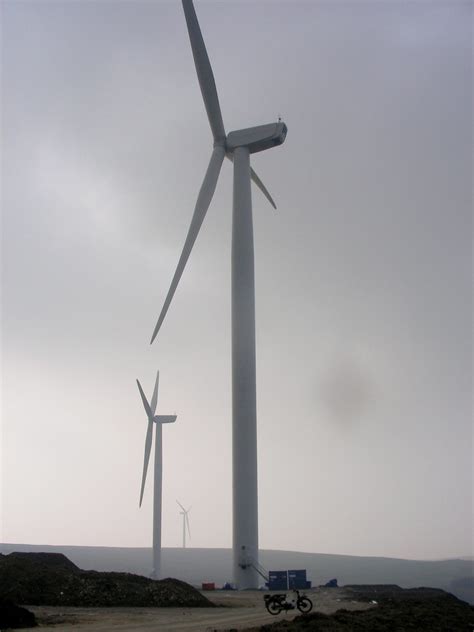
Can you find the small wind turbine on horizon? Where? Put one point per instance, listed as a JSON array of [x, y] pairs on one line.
[[237, 147], [184, 513], [158, 420]]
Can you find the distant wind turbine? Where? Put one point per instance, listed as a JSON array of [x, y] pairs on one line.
[[158, 420], [184, 513], [237, 147]]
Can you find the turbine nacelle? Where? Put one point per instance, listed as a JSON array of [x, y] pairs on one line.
[[257, 138], [164, 419]]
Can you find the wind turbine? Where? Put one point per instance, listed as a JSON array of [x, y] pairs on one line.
[[184, 513], [158, 420], [237, 146]]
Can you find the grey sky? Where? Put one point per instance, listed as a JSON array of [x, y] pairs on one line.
[[363, 275]]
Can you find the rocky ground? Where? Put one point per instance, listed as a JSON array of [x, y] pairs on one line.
[[335, 610], [63, 598], [394, 610]]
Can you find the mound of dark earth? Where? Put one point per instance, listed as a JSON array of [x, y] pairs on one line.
[[396, 610], [12, 617], [50, 579]]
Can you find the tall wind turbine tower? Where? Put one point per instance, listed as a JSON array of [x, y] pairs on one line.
[[157, 420], [184, 513], [237, 147]]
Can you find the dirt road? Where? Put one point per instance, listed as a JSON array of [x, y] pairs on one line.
[[238, 610]]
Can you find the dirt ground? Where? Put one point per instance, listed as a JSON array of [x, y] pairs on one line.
[[238, 610]]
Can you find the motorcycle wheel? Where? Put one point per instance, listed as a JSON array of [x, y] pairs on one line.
[[273, 607], [304, 605]]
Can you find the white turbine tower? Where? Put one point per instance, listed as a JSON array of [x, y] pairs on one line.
[[237, 146], [184, 513], [158, 420]]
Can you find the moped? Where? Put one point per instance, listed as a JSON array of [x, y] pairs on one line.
[[276, 603]]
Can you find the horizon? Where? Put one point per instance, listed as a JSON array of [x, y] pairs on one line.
[[467, 558]]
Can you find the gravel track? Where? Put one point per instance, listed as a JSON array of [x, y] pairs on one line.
[[239, 610]]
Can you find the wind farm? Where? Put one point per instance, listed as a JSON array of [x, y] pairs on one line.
[[318, 354]]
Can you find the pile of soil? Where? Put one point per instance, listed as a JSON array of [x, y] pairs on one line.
[[51, 579], [396, 610], [13, 617]]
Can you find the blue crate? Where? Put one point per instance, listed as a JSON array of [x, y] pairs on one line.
[[297, 579], [278, 580]]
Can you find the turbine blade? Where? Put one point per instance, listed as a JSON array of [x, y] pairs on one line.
[[204, 199], [181, 506], [148, 440], [187, 524], [256, 180], [204, 72], [145, 401], [164, 419], [154, 398]]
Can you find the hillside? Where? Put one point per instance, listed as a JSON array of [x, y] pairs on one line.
[[197, 565]]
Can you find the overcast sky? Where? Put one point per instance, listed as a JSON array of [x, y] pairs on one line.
[[363, 274]]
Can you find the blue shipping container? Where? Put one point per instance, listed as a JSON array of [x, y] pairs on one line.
[[297, 579], [278, 580]]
